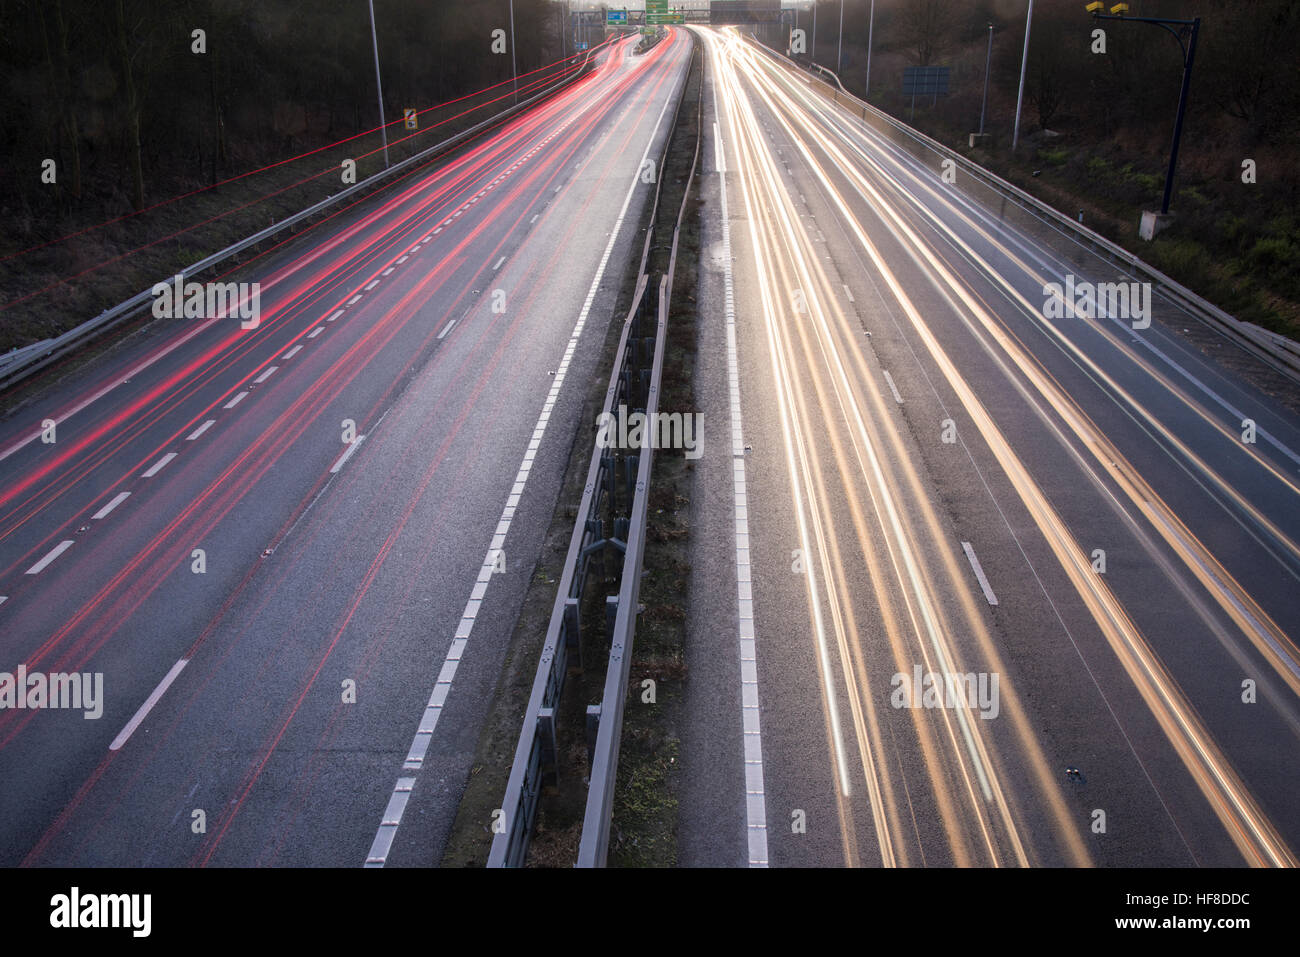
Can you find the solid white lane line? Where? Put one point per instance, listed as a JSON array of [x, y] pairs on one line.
[[54, 553], [292, 352], [159, 465], [144, 709], [117, 500], [200, 430], [386, 833], [751, 729], [893, 388], [979, 573], [265, 375], [235, 401], [347, 454]]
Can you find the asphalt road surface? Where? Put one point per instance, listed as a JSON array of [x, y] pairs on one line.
[[295, 553], [933, 468]]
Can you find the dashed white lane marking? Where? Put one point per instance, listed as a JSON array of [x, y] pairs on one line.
[[370, 285], [236, 400], [437, 231], [335, 316], [446, 329], [979, 573], [893, 388], [387, 271], [755, 792], [54, 553], [343, 459], [136, 370], [292, 352], [3, 599], [143, 711], [159, 465], [265, 375], [118, 499], [426, 238], [499, 262], [354, 300], [387, 831], [849, 292], [315, 332], [403, 259], [200, 430], [534, 219]]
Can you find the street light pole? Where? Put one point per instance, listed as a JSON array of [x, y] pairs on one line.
[[814, 43], [374, 39], [514, 63], [988, 61], [839, 56], [1189, 55], [871, 26], [1024, 60]]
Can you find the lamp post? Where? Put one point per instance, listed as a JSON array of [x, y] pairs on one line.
[[871, 26], [374, 39], [814, 42], [1024, 59], [839, 56], [514, 63], [1190, 28], [988, 61]]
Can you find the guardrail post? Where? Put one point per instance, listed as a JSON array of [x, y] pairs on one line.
[[611, 614], [593, 729], [573, 629], [549, 771]]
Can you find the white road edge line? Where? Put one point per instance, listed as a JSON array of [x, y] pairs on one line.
[[54, 553], [755, 789], [159, 465], [347, 454], [979, 573], [117, 500], [387, 830], [124, 735]]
